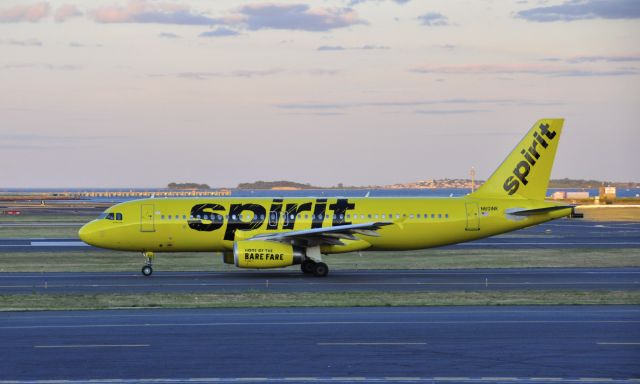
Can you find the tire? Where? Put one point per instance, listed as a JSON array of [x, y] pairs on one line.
[[307, 266], [320, 270], [147, 270]]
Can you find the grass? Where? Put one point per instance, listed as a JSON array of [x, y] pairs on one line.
[[604, 213], [315, 299], [48, 232], [113, 261]]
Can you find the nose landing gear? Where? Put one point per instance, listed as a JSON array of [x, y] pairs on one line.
[[147, 270]]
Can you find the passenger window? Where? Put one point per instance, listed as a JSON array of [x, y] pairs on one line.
[[119, 216], [439, 215], [376, 216], [169, 217], [341, 216], [418, 215], [446, 216], [411, 216], [184, 217], [162, 217], [397, 216], [433, 216], [383, 215], [369, 216]]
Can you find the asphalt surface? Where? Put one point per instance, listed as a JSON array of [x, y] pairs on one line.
[[436, 344], [598, 279], [563, 233]]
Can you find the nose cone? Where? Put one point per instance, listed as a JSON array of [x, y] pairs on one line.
[[88, 234]]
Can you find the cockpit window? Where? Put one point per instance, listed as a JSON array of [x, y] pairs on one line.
[[119, 216], [109, 216]]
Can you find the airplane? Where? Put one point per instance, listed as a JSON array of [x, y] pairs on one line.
[[279, 232]]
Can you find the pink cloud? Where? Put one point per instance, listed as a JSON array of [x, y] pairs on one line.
[[20, 13], [143, 11], [522, 69], [66, 11]]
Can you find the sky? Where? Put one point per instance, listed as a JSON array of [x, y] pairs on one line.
[[140, 93]]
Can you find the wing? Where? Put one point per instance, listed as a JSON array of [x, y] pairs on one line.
[[537, 211], [324, 236]]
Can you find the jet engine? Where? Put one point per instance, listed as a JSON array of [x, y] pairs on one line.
[[264, 254]]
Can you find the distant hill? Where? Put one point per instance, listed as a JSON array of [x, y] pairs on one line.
[[280, 184], [580, 183], [441, 183], [189, 186]]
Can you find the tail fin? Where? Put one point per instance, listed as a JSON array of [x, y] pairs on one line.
[[525, 172]]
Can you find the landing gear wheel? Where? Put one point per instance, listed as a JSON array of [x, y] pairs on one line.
[[307, 266], [320, 270], [147, 270]]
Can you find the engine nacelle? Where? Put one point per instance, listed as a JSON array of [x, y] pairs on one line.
[[263, 254]]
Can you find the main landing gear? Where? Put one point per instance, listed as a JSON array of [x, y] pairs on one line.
[[309, 266], [147, 270]]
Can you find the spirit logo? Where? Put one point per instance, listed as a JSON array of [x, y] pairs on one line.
[[530, 156], [280, 215]]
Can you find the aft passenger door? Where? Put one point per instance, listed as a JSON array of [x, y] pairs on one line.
[[146, 218], [473, 217]]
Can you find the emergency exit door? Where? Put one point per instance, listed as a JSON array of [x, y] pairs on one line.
[[146, 218], [473, 217]]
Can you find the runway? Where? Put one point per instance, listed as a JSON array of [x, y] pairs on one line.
[[599, 279], [557, 234], [436, 344]]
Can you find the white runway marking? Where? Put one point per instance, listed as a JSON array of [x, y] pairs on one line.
[[348, 379], [555, 243], [371, 343], [614, 343], [300, 323], [94, 346], [59, 244]]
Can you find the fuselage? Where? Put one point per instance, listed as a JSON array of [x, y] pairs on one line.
[[213, 225]]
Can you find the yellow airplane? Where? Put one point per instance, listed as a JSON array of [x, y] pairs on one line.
[[278, 232]]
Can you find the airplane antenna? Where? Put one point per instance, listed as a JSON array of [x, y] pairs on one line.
[[472, 173], [367, 195]]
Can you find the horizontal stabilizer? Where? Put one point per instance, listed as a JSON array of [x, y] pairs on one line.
[[537, 211]]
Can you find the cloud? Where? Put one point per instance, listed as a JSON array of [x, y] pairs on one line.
[[295, 17], [331, 48], [434, 19], [22, 43], [493, 69], [75, 44], [448, 111], [47, 66], [169, 35], [341, 48], [236, 73], [608, 59], [316, 106], [582, 10], [356, 2], [65, 12], [143, 11], [22, 13], [220, 32]]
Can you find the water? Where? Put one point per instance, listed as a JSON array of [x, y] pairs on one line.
[[444, 192]]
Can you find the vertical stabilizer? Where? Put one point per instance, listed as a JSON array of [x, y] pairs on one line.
[[526, 171]]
